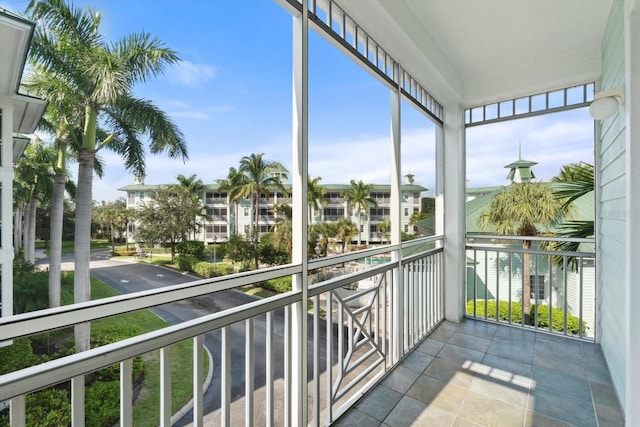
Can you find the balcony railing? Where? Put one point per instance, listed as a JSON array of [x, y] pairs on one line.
[[355, 335], [562, 293]]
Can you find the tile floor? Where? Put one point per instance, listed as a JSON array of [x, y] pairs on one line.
[[480, 374]]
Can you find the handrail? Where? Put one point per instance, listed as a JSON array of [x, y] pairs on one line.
[[532, 238], [21, 325], [53, 372]]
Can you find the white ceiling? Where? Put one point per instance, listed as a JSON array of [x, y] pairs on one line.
[[477, 51]]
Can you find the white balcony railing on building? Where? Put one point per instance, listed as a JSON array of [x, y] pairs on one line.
[[355, 335], [562, 293]]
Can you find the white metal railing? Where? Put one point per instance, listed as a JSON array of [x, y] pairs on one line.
[[561, 283], [356, 334]]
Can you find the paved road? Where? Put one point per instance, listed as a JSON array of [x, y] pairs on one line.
[[127, 277]]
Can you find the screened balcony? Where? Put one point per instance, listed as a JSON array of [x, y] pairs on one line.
[[404, 347]]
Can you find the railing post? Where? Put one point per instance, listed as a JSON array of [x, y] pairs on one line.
[[77, 401], [17, 411], [165, 387], [126, 393]]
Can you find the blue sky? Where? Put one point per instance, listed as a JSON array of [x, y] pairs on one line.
[[231, 96]]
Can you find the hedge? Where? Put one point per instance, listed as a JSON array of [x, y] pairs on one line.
[[557, 319], [279, 285]]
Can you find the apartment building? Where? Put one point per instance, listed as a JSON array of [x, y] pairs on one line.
[[226, 217]]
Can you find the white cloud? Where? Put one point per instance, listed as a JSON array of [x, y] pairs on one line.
[[188, 73], [184, 110]]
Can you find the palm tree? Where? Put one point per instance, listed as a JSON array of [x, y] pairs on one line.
[[193, 187], [258, 182], [518, 210], [359, 198], [232, 184], [69, 45], [574, 181], [345, 230], [384, 227], [33, 172], [315, 195]]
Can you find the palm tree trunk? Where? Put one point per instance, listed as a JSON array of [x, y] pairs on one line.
[[30, 246], [256, 201], [17, 230], [359, 227], [526, 291], [25, 229], [81, 281], [55, 251]]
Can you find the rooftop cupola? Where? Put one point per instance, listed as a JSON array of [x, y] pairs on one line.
[[520, 170]]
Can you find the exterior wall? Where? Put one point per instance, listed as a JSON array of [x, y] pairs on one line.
[[612, 239]]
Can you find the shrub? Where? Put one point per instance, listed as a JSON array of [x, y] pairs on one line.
[[123, 252], [224, 269], [30, 287], [49, 407], [108, 335], [204, 269], [102, 403], [18, 355], [557, 319], [279, 285], [192, 248], [186, 262]]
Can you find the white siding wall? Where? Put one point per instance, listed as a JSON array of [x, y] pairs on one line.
[[612, 232]]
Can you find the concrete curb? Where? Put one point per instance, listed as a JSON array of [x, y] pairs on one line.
[[189, 405]]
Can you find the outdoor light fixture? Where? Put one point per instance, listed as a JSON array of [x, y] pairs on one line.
[[606, 103]]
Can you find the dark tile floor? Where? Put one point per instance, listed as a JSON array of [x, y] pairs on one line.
[[480, 374]]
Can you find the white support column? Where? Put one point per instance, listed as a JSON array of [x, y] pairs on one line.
[[439, 180], [6, 209], [397, 343], [299, 175], [632, 142], [454, 213]]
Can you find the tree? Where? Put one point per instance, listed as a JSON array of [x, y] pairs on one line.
[[193, 186], [258, 181], [101, 76], [33, 174], [359, 198], [345, 230], [573, 181], [315, 195], [384, 228], [168, 216], [233, 184], [114, 216], [519, 210]]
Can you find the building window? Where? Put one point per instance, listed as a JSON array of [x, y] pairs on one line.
[[361, 228], [537, 287], [246, 229], [246, 211], [406, 228], [406, 211]]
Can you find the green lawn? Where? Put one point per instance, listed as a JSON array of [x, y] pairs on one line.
[[146, 412], [68, 245]]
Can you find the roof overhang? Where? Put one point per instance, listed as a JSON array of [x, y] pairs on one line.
[[15, 39], [476, 52]]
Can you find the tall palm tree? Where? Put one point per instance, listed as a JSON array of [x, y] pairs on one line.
[[315, 195], [259, 182], [194, 187], [519, 210], [33, 171], [233, 184], [68, 44], [359, 198]]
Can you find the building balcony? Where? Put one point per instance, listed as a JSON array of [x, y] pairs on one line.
[[373, 330]]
